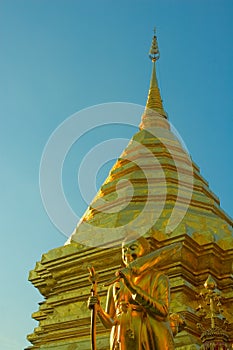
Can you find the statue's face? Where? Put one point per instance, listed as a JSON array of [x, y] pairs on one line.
[[131, 251]]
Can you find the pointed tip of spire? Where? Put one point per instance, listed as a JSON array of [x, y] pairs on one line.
[[210, 283], [154, 101], [154, 50]]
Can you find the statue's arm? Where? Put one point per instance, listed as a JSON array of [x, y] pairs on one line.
[[107, 316], [158, 302]]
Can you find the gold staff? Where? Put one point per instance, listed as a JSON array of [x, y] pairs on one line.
[[93, 280]]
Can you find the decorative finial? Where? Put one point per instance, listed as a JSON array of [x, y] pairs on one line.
[[154, 50], [210, 283], [210, 310], [154, 115]]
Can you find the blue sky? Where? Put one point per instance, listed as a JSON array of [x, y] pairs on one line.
[[58, 57]]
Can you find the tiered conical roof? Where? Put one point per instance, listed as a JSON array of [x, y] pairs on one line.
[[154, 188]]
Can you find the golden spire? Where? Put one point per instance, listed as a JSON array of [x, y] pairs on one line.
[[154, 101]]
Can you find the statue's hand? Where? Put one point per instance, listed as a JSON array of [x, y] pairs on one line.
[[126, 274], [92, 301]]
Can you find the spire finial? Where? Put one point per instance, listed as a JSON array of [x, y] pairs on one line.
[[154, 50], [154, 101]]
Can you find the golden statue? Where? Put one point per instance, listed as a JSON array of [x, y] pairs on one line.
[[137, 307]]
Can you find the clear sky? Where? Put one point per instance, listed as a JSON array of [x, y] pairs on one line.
[[60, 56]]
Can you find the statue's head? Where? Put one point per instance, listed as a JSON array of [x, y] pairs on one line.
[[133, 248]]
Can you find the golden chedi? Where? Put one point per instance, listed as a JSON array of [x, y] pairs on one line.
[[157, 191]]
